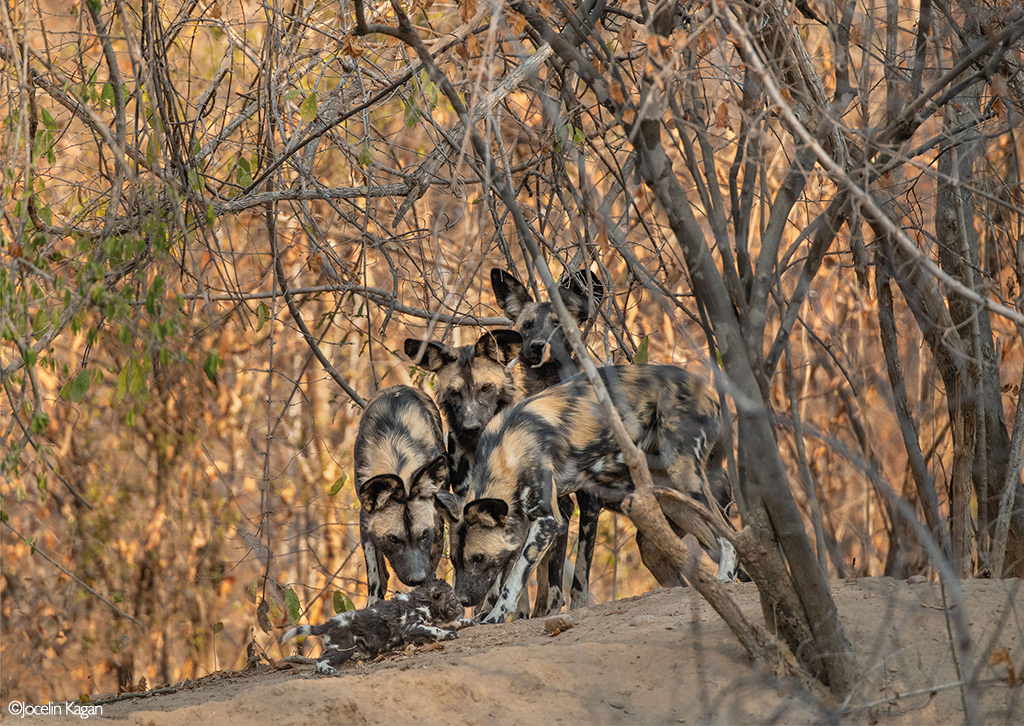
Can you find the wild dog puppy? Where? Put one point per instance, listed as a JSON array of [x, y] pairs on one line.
[[385, 625], [560, 441], [546, 360], [400, 464], [473, 385]]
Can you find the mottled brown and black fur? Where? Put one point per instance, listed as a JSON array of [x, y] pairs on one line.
[[559, 441], [386, 625], [400, 464], [473, 385], [546, 360]]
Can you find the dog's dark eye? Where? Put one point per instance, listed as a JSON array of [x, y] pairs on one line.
[[477, 559], [424, 536], [392, 539], [487, 388]]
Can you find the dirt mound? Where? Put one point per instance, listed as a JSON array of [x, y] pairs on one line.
[[664, 657]]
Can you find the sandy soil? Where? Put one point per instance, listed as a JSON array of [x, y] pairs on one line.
[[664, 657]]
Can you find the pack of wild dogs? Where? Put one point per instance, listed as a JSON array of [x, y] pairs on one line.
[[504, 476]]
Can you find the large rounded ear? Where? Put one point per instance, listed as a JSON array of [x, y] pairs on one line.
[[450, 505], [575, 294], [501, 345], [486, 512], [430, 478], [435, 355], [511, 294], [378, 490]]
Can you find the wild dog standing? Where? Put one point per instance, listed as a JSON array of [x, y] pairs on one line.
[[400, 464], [473, 385], [546, 360], [560, 441], [385, 625]]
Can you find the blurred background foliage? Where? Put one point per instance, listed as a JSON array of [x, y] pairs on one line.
[[176, 460]]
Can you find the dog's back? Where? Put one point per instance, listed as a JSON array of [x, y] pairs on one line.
[[400, 464]]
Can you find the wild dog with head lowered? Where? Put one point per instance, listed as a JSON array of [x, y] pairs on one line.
[[473, 385], [400, 464], [546, 360], [560, 441], [385, 625]]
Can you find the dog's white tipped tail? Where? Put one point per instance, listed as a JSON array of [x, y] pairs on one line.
[[300, 630]]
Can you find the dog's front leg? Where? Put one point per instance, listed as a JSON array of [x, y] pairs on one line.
[[538, 539], [376, 572]]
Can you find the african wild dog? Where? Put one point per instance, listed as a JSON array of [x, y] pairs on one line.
[[546, 357], [559, 441], [546, 360], [400, 464], [473, 385], [385, 625]]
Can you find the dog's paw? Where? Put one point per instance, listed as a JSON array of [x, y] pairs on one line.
[[492, 618], [450, 635], [326, 668]]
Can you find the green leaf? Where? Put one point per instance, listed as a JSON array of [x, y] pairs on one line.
[[365, 156], [122, 383], [578, 137], [137, 381], [411, 116], [107, 95], [3, 518], [338, 484], [640, 357], [212, 364], [243, 172], [262, 312], [211, 215], [291, 604], [76, 389], [342, 603], [308, 108], [40, 422]]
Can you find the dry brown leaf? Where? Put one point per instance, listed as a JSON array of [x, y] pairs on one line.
[[517, 21], [1003, 656], [722, 116], [615, 91], [626, 38], [467, 9], [349, 47]]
